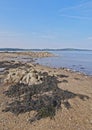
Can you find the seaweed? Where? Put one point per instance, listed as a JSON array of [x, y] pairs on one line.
[[44, 98]]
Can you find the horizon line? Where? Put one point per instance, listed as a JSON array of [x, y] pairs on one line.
[[46, 48]]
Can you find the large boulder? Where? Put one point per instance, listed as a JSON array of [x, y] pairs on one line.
[[14, 75], [32, 77], [26, 76]]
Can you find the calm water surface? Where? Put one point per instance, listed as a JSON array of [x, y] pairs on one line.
[[75, 60]]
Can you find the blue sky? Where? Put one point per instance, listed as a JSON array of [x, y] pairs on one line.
[[46, 23]]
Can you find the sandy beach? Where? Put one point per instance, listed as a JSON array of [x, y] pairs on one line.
[[36, 97]]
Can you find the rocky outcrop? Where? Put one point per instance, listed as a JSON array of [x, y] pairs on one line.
[[23, 55], [14, 75], [27, 76], [37, 54]]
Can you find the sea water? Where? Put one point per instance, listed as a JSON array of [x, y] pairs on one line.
[[75, 60]]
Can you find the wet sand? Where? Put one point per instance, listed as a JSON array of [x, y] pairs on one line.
[[70, 94]]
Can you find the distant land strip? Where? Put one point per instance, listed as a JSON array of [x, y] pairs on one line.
[[64, 49]]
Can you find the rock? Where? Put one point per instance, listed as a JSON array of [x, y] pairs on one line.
[[31, 78], [27, 76], [14, 75]]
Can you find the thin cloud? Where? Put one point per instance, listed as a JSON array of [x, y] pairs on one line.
[[76, 17], [81, 11], [89, 38], [81, 5], [69, 8], [44, 35], [47, 36]]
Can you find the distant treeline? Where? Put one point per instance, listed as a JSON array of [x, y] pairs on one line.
[[18, 49]]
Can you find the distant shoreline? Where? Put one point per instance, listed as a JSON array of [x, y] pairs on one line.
[[24, 50]]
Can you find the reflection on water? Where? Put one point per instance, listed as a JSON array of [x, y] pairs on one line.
[[75, 60]]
